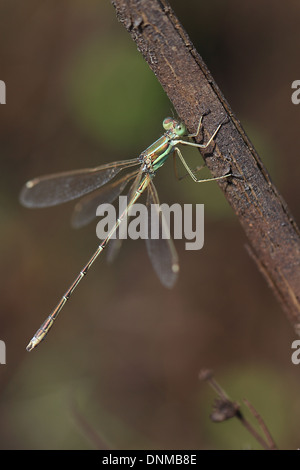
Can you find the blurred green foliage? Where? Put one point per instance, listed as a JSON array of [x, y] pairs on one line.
[[113, 95]]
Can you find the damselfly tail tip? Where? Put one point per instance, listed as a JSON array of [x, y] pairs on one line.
[[32, 344]]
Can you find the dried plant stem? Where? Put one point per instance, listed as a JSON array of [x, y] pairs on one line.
[[225, 409]]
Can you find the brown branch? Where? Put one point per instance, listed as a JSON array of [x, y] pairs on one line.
[[270, 228]]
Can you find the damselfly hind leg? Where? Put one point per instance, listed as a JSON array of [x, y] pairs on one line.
[[191, 173]]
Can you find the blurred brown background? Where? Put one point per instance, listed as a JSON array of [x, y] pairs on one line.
[[125, 354]]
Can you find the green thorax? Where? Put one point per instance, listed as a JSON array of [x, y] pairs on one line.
[[159, 151]]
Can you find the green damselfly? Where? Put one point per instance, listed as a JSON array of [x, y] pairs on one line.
[[54, 189]]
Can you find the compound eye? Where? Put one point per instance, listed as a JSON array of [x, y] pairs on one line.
[[168, 123], [180, 129]]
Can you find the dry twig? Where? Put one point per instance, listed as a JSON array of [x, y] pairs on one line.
[[225, 409]]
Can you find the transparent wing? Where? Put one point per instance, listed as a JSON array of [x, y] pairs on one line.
[[51, 190], [85, 209], [115, 243], [161, 251]]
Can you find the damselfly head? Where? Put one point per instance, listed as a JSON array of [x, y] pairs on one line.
[[170, 124]]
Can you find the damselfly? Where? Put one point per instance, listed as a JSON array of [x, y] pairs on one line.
[[51, 190]]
